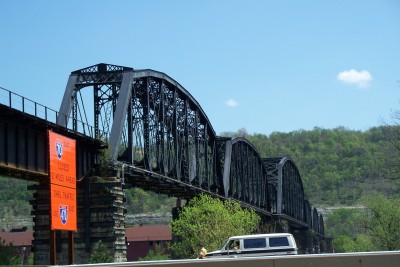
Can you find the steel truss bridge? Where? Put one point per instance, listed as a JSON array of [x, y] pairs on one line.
[[162, 137]]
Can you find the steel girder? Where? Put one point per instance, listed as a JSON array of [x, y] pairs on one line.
[[292, 190], [321, 226], [315, 218], [317, 221], [285, 177], [75, 107], [308, 213], [24, 147], [274, 177], [148, 119], [171, 134], [244, 174], [290, 198]]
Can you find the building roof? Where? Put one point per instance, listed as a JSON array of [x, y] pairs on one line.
[[17, 238], [148, 233]]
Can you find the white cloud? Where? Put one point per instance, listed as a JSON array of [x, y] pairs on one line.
[[231, 102], [360, 78]]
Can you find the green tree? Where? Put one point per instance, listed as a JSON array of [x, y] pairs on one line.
[[381, 221], [210, 221], [157, 253], [6, 253], [364, 243], [14, 197], [344, 243], [100, 254], [375, 227], [343, 221], [140, 201]]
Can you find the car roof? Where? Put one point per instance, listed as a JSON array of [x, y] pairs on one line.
[[260, 235]]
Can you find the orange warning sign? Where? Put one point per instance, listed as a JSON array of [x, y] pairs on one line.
[[63, 208], [62, 182], [62, 160]]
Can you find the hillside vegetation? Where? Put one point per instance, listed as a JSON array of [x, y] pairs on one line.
[[337, 166]]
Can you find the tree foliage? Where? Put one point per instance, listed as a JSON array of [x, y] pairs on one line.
[[7, 256], [14, 197], [344, 243], [343, 221], [337, 166], [381, 221], [210, 221], [375, 227], [159, 252], [141, 201], [100, 254]]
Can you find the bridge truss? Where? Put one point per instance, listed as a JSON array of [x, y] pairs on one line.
[[161, 134]]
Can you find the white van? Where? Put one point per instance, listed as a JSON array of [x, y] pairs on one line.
[[256, 245]]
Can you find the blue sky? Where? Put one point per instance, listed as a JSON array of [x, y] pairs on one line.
[[264, 66]]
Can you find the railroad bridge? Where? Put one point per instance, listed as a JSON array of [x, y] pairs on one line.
[[159, 139]]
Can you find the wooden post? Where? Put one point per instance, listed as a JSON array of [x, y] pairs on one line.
[[70, 247], [52, 247]]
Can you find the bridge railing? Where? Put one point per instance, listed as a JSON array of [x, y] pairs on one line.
[[27, 106]]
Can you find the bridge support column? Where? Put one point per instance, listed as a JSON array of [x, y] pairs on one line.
[[305, 240], [102, 221], [273, 225], [309, 242], [180, 203]]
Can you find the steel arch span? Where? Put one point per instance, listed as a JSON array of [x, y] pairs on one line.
[[244, 176], [159, 130], [148, 119], [291, 200]]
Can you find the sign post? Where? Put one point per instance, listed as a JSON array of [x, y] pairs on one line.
[[62, 172]]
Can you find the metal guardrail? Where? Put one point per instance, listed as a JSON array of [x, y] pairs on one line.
[[28, 106], [360, 259]]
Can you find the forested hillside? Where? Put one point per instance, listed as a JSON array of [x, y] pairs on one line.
[[337, 167]]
